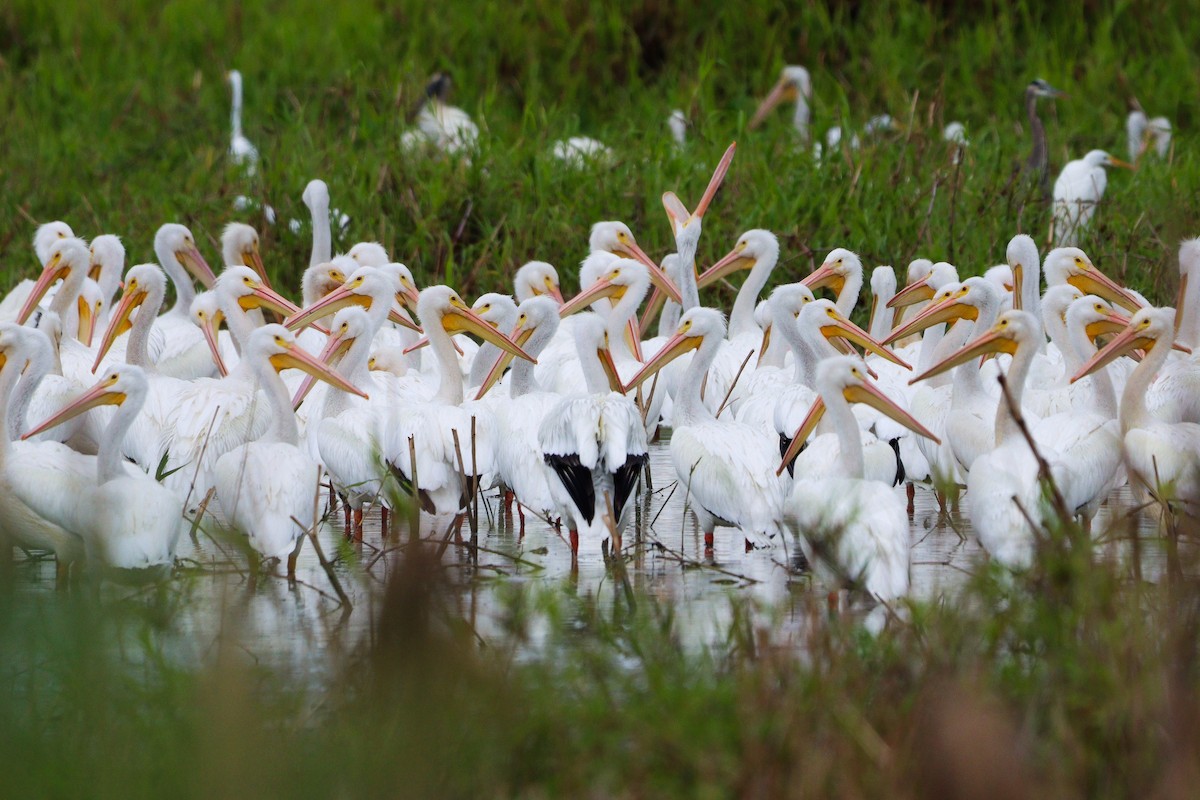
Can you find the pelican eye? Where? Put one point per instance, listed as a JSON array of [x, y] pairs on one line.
[[1099, 307]]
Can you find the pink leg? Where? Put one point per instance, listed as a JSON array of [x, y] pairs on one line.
[[358, 516], [708, 540]]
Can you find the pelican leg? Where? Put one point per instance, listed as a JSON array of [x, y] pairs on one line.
[[911, 490], [573, 537], [346, 512], [383, 516], [358, 524], [521, 515], [508, 502], [291, 559], [708, 540], [832, 601], [332, 497]]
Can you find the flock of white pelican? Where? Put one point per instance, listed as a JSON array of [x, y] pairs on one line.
[[124, 418]]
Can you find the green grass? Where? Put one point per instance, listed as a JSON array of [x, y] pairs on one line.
[[118, 121], [1076, 680]]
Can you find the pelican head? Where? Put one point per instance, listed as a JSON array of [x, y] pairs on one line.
[[144, 283], [539, 313], [794, 84], [847, 376], [441, 305], [107, 260], [206, 313], [369, 254], [537, 278], [696, 326], [67, 261], [752, 246], [833, 272], [241, 285], [954, 301], [1071, 265], [1013, 329], [120, 384], [616, 238], [1147, 328], [46, 235], [239, 245], [321, 279], [364, 287], [175, 241], [1096, 315], [316, 197], [623, 276], [278, 347]]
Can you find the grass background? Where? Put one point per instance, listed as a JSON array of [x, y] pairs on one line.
[[1079, 679], [116, 120]]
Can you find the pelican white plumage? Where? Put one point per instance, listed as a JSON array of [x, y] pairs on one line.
[[678, 124], [537, 278], [1077, 192], [595, 443], [520, 461], [214, 415], [580, 151], [266, 488], [44, 238], [440, 125], [1147, 134], [346, 433], [31, 473], [239, 245], [241, 151], [853, 529], [126, 518], [1160, 456], [794, 85], [106, 267], [841, 271], [726, 467], [443, 483], [184, 352]]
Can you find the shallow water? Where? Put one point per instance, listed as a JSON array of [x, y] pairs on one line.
[[213, 603]]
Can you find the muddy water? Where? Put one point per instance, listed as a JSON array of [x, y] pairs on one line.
[[213, 603]]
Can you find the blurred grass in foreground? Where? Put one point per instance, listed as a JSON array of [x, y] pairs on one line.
[[1076, 679]]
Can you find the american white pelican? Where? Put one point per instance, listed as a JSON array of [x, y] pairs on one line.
[[29, 472], [1160, 456], [519, 458], [1003, 486], [842, 272], [149, 432], [955, 133], [440, 125], [444, 484], [316, 197], [687, 227], [1038, 163], [500, 310], [579, 151], [241, 151], [1071, 265], [595, 443], [184, 352], [852, 529], [214, 415], [794, 85], [725, 468], [1147, 134], [1077, 192], [678, 123], [46, 235], [537, 278], [239, 245], [106, 267], [266, 488], [883, 289], [127, 519]]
